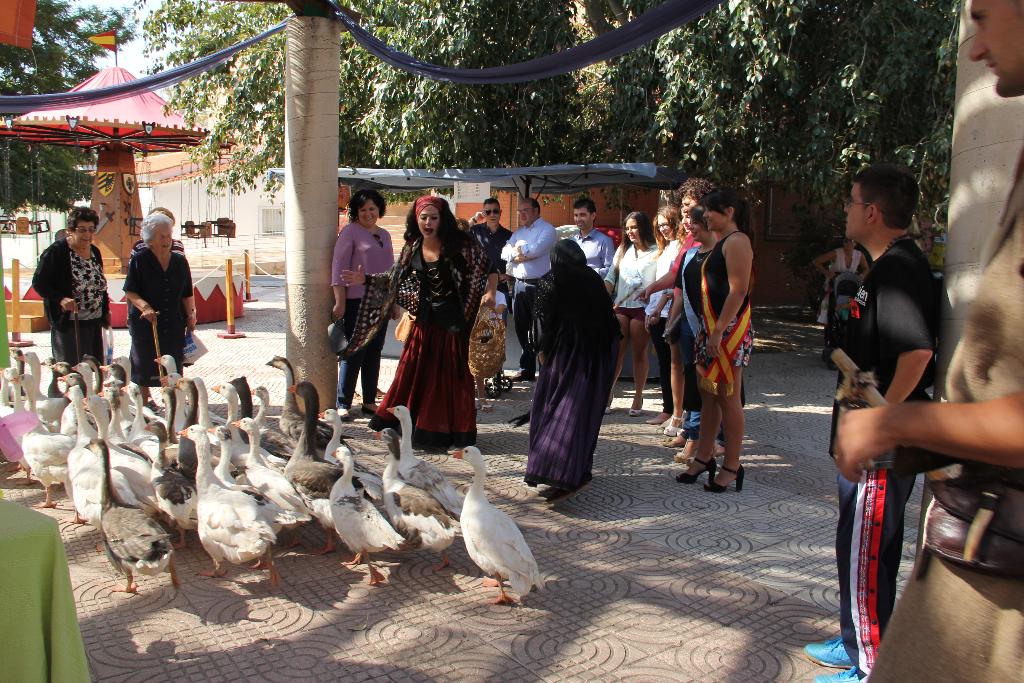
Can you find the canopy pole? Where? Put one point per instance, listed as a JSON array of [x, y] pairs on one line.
[[311, 196]]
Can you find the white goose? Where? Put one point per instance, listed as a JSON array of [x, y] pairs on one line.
[[493, 540], [137, 429], [133, 464], [85, 470], [421, 473], [133, 541], [48, 408], [239, 447], [358, 523], [233, 526], [415, 513], [46, 455], [271, 440], [267, 480]]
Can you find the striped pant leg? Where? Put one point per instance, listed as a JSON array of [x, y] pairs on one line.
[[869, 544]]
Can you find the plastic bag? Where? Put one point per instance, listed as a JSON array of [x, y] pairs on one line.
[[194, 349], [108, 346]]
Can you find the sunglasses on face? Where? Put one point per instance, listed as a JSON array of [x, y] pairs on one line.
[[491, 212]]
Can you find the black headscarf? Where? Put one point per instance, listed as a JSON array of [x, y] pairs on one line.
[[573, 309]]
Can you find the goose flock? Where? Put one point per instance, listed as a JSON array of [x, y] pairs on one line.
[[144, 479]]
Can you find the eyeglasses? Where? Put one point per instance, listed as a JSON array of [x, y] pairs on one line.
[[84, 229], [380, 241], [848, 202], [491, 212]]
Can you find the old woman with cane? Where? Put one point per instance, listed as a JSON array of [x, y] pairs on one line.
[[70, 280], [158, 288]]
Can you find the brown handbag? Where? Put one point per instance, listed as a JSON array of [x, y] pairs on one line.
[[404, 327]]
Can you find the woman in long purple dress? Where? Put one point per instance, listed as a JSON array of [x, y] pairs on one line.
[[577, 342]]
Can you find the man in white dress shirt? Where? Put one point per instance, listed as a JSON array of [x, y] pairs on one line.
[[528, 256], [598, 247]]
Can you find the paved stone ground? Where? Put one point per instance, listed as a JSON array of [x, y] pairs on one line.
[[647, 579]]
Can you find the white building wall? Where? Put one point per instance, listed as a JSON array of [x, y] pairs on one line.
[[254, 211]]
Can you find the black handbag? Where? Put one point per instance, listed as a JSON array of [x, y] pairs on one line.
[[336, 336]]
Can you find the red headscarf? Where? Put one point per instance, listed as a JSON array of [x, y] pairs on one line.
[[429, 200]]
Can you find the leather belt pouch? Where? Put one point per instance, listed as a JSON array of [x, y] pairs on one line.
[[957, 502]]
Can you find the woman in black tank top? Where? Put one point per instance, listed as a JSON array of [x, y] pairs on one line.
[[724, 340]]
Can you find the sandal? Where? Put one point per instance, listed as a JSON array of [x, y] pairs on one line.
[[714, 487], [674, 426], [659, 419], [710, 467]]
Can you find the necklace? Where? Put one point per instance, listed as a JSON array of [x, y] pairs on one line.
[[898, 238]]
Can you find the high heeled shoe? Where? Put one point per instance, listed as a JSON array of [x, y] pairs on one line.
[[711, 466], [715, 487]]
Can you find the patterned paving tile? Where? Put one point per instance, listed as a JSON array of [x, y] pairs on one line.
[[646, 579]]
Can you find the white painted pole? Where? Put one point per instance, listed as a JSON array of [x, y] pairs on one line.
[[311, 196]]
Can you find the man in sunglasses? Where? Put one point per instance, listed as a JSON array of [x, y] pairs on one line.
[[493, 235]]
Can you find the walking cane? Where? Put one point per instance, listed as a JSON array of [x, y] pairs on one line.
[[160, 370], [78, 353]]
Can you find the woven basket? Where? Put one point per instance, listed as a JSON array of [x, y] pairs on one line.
[[487, 344]]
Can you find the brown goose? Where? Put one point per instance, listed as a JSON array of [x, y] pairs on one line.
[[291, 421], [133, 542], [311, 476]]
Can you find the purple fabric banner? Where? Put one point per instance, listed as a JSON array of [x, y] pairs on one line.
[[647, 27]]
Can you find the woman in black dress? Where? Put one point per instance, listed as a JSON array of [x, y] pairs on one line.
[[69, 278], [725, 338], [577, 339], [158, 288]]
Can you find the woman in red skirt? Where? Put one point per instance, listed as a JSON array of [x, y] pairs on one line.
[[442, 276]]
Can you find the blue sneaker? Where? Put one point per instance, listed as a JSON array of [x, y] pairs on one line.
[[830, 653], [850, 675]]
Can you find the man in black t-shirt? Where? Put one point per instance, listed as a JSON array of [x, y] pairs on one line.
[[892, 332]]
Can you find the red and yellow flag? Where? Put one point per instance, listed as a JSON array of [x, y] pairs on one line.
[[16, 21], [107, 39]]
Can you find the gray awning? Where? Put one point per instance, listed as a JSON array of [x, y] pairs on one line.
[[559, 179]]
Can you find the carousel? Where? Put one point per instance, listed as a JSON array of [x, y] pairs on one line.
[[118, 131]]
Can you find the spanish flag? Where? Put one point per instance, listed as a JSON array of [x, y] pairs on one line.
[[107, 39]]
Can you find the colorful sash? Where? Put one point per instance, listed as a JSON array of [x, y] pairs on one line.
[[719, 373]]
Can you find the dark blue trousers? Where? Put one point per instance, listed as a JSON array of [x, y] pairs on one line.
[[869, 544]]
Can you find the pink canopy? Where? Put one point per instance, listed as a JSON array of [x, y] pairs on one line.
[[138, 121]]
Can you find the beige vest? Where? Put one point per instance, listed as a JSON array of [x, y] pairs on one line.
[[989, 361]]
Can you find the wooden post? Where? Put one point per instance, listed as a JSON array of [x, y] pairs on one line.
[[16, 340], [248, 277], [229, 295]]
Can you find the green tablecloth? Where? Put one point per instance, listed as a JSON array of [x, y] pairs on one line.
[[39, 636]]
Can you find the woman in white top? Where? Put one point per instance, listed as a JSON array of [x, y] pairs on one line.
[[845, 259], [634, 268], [665, 232]]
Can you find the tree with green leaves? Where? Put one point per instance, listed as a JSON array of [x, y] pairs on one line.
[[799, 94], [61, 57], [386, 117]]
